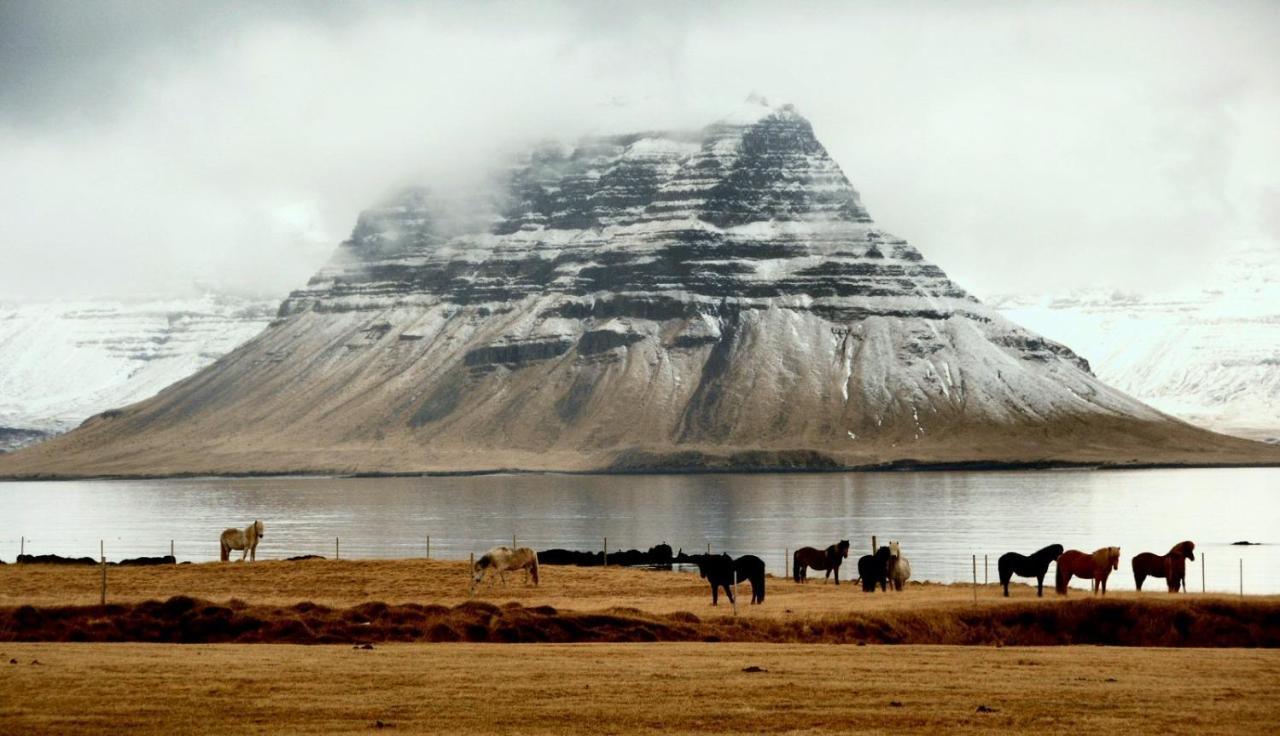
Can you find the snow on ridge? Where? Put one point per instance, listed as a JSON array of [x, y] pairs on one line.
[[61, 362]]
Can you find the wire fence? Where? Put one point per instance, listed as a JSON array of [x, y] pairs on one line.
[[1215, 570]]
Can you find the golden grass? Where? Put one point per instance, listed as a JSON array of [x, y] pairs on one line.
[[349, 583], [630, 689], [420, 600]]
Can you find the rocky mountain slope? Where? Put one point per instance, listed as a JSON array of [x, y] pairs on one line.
[[718, 298], [61, 362], [1210, 355]]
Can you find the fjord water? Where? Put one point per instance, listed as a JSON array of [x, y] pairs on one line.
[[941, 519]]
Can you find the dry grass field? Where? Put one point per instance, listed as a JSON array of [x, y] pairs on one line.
[[349, 583], [632, 689], [682, 685]]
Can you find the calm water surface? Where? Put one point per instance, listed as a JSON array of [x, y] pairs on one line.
[[941, 519]]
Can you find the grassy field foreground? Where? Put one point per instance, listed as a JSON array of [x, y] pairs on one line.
[[630, 689]]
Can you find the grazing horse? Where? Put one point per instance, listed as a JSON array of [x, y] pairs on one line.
[[718, 570], [1035, 565], [1172, 567], [828, 559], [751, 568], [504, 559], [1097, 566], [245, 539], [897, 569], [874, 569]]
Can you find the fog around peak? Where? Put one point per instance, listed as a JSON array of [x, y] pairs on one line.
[[148, 147]]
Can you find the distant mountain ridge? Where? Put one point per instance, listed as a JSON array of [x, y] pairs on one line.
[[1209, 355], [63, 361], [715, 299]]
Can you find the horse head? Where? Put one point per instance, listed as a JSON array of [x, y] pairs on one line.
[[1113, 557], [895, 551], [477, 571], [260, 529], [843, 548], [1187, 550]]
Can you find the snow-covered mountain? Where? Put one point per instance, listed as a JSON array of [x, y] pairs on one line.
[[61, 362], [1210, 355], [718, 298]]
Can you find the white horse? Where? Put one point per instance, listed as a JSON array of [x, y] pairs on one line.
[[503, 559], [899, 568], [245, 539]]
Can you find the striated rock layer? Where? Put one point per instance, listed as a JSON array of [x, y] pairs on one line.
[[713, 299]]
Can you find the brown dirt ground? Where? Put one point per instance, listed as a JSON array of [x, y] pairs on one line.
[[349, 583], [632, 689]]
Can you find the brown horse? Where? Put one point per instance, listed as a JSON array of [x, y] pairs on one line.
[[1096, 566], [828, 559], [1172, 567]]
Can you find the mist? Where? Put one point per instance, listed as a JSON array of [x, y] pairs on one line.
[[156, 148]]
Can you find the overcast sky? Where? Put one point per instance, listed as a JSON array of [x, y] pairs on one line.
[[1031, 147]]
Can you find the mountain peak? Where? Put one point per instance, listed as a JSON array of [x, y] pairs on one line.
[[756, 108], [716, 299]]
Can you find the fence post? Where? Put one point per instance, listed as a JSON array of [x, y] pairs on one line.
[[975, 580], [1201, 572], [873, 544], [708, 548], [175, 559], [734, 598], [606, 552], [337, 549], [986, 571], [22, 546], [102, 555], [513, 541]]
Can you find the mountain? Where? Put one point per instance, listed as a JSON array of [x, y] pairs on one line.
[[1209, 355], [61, 362], [711, 299]]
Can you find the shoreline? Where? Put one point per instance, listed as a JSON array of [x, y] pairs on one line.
[[896, 466]]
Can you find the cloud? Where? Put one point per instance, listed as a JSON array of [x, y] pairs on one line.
[[148, 146]]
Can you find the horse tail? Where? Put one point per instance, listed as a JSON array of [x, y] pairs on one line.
[[226, 550], [535, 567]]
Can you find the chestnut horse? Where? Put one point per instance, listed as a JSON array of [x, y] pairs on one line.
[[1172, 567], [1096, 566], [828, 559]]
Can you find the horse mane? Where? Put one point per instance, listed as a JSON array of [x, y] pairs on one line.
[[1186, 549], [1052, 551]]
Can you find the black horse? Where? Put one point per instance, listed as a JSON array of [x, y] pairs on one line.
[[874, 570], [828, 559], [751, 569], [1033, 566], [720, 572]]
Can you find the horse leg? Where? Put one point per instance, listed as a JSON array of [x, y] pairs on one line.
[[245, 553], [1039, 587], [715, 594], [1138, 578], [837, 572]]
